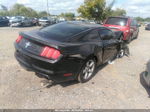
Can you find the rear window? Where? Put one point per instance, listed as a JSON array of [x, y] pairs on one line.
[[63, 31], [44, 18], [117, 21], [16, 17]]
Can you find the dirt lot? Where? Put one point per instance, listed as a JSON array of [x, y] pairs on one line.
[[115, 86]]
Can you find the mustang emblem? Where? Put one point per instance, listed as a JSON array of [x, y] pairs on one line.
[[27, 44]]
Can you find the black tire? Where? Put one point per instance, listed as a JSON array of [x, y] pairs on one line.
[[137, 35], [82, 75], [129, 40], [121, 38]]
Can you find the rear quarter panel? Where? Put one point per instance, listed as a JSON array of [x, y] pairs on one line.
[[83, 51]]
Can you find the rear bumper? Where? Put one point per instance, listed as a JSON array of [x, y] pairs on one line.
[[54, 71]]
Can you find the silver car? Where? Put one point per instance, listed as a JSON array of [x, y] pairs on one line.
[[20, 21]]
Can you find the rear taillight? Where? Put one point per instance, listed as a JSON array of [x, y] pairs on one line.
[[19, 39], [50, 53]]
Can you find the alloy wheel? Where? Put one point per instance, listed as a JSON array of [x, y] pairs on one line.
[[88, 70]]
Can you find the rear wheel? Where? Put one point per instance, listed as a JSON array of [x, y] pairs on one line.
[[87, 72]]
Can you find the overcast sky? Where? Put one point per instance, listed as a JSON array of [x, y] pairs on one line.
[[133, 7]]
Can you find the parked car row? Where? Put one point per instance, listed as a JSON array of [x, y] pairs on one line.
[[25, 21]]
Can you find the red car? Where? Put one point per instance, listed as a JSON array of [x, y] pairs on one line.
[[127, 25]]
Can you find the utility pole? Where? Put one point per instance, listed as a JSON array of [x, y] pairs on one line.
[[47, 9]]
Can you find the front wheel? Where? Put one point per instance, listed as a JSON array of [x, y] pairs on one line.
[[87, 72], [129, 40], [121, 53], [137, 35]]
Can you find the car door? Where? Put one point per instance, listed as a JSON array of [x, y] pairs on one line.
[[110, 44], [93, 44], [134, 28], [1, 21], [94, 37], [25, 22]]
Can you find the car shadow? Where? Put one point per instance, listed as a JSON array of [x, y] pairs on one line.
[[143, 83], [68, 83]]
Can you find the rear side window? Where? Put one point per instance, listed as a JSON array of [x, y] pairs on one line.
[[106, 34], [92, 36], [117, 21], [63, 31]]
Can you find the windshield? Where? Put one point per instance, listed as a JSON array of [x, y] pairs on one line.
[[45, 18], [16, 17], [63, 31], [117, 21]]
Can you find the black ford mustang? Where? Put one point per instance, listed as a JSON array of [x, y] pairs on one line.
[[67, 51]]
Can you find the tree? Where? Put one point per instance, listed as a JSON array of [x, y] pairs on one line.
[[4, 13], [15, 10], [95, 9], [118, 12], [21, 10], [43, 14], [68, 16], [147, 19], [2, 7], [140, 19]]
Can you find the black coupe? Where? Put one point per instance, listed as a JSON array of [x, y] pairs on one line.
[[68, 50]]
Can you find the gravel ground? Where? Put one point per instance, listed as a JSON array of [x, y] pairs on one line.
[[116, 86]]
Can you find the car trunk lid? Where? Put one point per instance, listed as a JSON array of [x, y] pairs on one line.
[[35, 42]]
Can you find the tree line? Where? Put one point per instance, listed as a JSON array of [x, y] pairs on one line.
[[140, 19], [21, 10]]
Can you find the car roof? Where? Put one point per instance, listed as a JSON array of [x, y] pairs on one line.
[[85, 24], [120, 17]]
